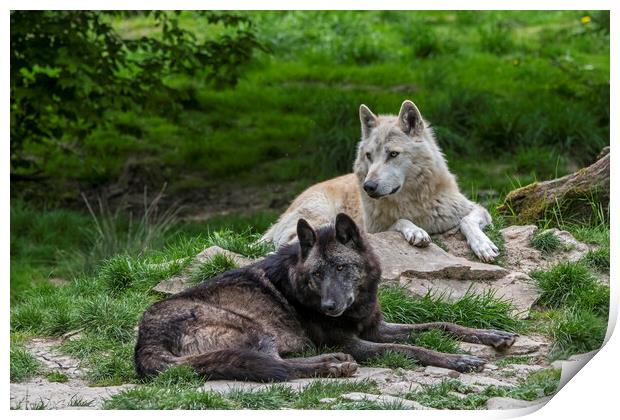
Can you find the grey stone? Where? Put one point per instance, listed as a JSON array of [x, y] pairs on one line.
[[530, 346], [505, 403], [383, 399], [421, 270], [55, 395], [441, 372]]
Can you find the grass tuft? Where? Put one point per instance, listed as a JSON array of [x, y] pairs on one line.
[[23, 364], [571, 284], [392, 360], [472, 310], [56, 376], [211, 268], [546, 242]]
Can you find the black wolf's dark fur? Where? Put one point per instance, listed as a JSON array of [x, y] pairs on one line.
[[320, 290]]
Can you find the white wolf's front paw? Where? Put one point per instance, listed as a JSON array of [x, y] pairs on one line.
[[416, 236], [484, 249]]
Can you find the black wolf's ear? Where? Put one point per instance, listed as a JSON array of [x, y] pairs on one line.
[[307, 237], [347, 232], [368, 120], [410, 119]]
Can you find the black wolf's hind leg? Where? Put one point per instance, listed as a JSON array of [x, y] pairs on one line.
[[363, 350]]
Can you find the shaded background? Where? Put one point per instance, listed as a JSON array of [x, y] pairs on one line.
[[236, 113]]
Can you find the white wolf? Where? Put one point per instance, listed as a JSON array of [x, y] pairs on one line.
[[400, 182]]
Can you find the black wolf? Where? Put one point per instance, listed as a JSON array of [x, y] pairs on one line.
[[321, 290]]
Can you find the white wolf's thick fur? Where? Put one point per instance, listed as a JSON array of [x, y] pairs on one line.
[[400, 182]]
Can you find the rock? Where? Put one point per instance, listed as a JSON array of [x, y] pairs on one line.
[[182, 281], [524, 370], [328, 400], [55, 395], [431, 268], [44, 350], [521, 256], [398, 258], [478, 379], [505, 403], [383, 399], [441, 372], [530, 346]]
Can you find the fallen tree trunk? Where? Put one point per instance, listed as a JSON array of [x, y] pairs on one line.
[[579, 196]]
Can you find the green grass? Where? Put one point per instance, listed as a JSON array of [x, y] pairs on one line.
[[473, 310], [56, 376], [436, 340], [514, 89], [571, 284], [392, 360], [177, 389], [546, 242], [216, 265], [516, 360], [23, 364]]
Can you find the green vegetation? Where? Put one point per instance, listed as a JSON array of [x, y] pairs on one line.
[[478, 311], [525, 92], [546, 242], [216, 265], [177, 388], [442, 396], [513, 96], [23, 364], [56, 376]]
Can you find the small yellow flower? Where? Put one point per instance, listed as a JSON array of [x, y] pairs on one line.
[[585, 20], [515, 62]]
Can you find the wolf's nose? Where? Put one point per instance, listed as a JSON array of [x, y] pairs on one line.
[[328, 305], [370, 186]]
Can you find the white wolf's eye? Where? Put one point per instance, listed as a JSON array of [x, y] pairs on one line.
[[394, 154], [369, 156]]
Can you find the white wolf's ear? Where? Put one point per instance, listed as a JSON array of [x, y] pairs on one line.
[[347, 232], [307, 237], [368, 120], [410, 119]]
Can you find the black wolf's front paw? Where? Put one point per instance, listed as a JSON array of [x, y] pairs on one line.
[[467, 363], [500, 340]]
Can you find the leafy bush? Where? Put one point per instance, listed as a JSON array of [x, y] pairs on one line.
[[68, 69]]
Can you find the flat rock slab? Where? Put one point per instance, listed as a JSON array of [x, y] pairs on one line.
[[505, 403], [384, 399], [53, 395], [399, 258], [519, 255], [421, 270], [534, 346]]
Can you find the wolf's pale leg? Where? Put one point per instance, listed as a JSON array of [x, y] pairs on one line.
[[471, 226], [413, 234]]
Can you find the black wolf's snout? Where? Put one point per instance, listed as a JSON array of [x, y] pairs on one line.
[[370, 186], [328, 305]]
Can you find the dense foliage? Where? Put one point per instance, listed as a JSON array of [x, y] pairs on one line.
[[68, 69]]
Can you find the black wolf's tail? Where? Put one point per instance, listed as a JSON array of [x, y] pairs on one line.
[[233, 364]]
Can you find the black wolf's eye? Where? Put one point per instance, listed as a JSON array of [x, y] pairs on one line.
[[340, 267], [394, 154], [369, 156], [317, 274]]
